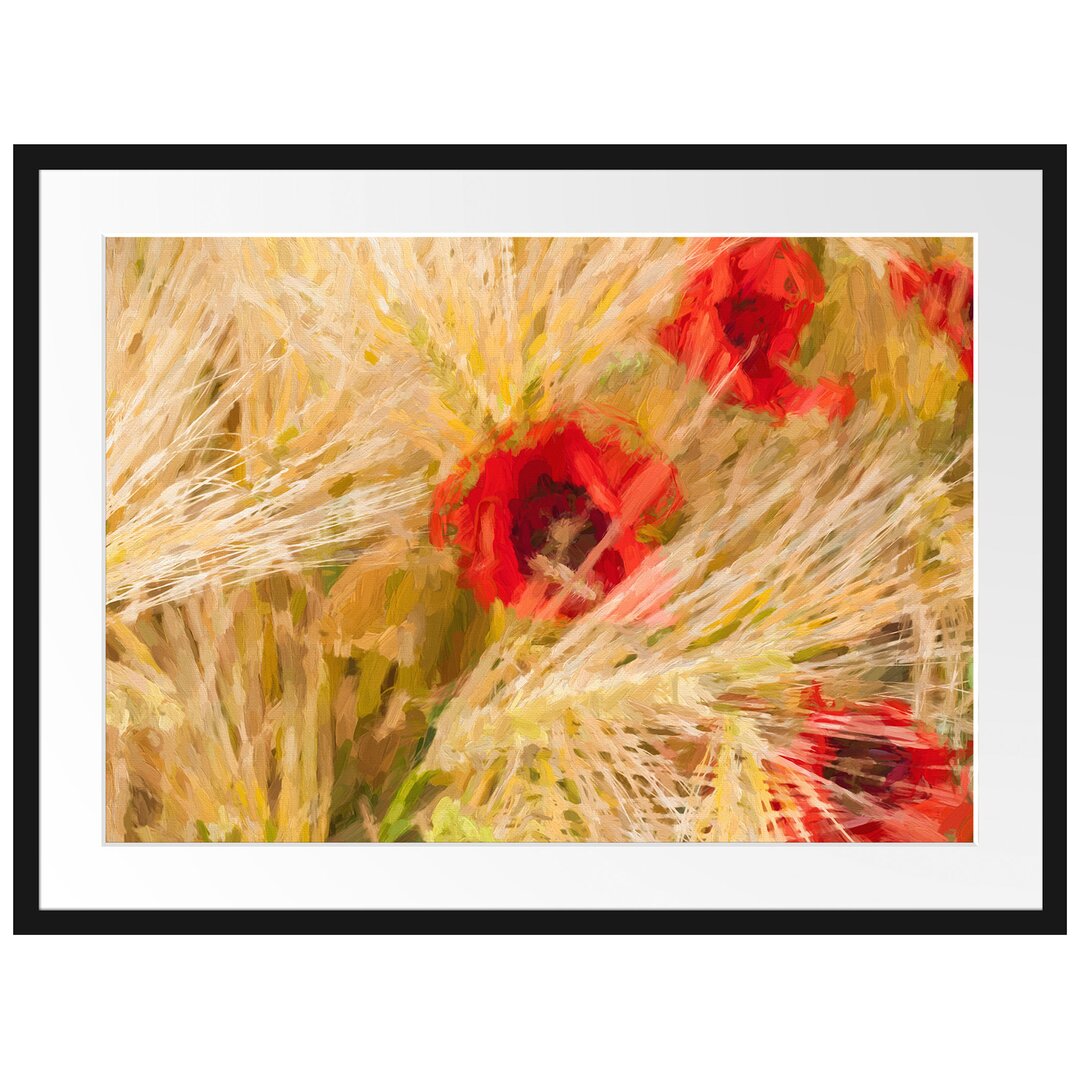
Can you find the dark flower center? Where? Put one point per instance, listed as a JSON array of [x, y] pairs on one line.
[[870, 767], [556, 521], [751, 320]]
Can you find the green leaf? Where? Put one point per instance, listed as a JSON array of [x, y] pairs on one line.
[[397, 820], [449, 824], [827, 651]]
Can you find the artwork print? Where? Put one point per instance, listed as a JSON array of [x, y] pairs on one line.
[[539, 539]]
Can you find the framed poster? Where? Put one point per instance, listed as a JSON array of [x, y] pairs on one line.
[[395, 521]]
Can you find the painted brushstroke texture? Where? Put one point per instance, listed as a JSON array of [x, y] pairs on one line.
[[539, 539]]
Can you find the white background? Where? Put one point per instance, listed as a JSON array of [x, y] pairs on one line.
[[553, 72]]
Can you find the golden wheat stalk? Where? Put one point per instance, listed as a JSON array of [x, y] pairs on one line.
[[277, 409]]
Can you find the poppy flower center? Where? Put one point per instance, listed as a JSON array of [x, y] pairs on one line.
[[555, 521], [749, 320], [870, 767]]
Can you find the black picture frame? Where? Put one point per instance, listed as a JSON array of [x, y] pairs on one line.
[[28, 915]]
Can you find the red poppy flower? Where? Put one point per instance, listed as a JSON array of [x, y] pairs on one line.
[[869, 772], [946, 297], [549, 520], [738, 328]]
